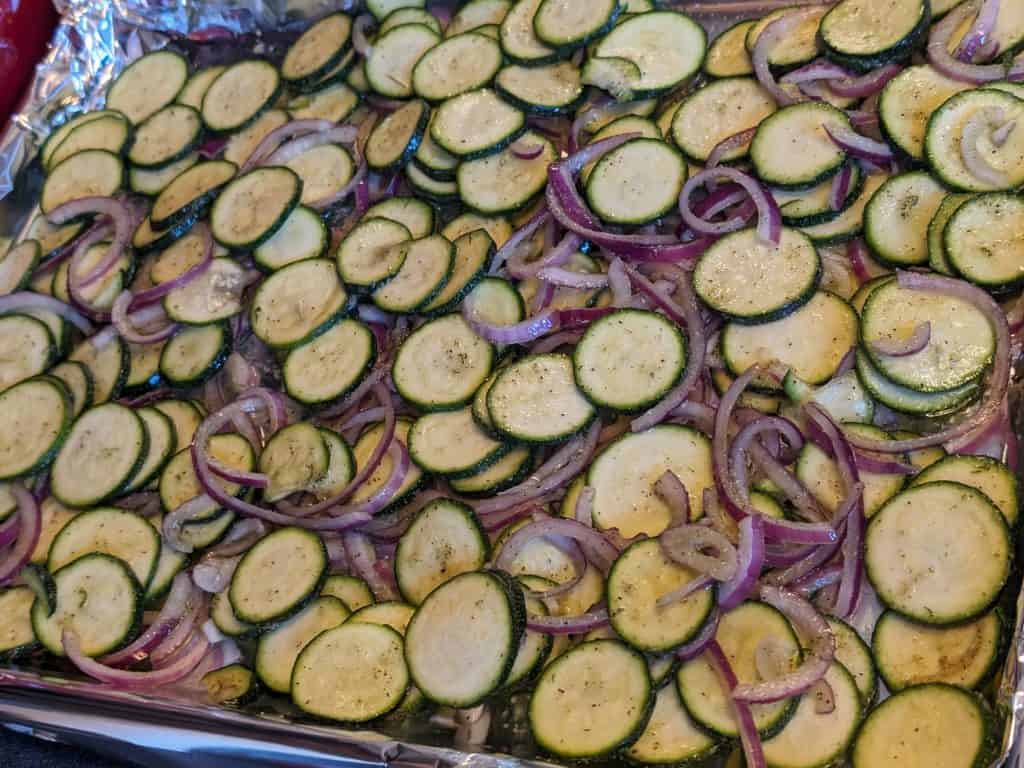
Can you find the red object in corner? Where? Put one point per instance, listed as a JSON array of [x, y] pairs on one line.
[[25, 30]]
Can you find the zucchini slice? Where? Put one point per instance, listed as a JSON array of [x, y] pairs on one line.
[[395, 138], [241, 144], [352, 673], [367, 257], [27, 348], [473, 251], [365, 446], [896, 218], [234, 684], [728, 56], [391, 613], [983, 241], [909, 653], [190, 194], [438, 192], [340, 467], [906, 400], [148, 84], [717, 111], [853, 653], [253, 207], [504, 183], [670, 736], [456, 65], [54, 516], [178, 481], [109, 531], [278, 576], [804, 126], [961, 345], [16, 633], [324, 171], [850, 221], [191, 95], [534, 649], [57, 135], [567, 26], [938, 259], [504, 473], [98, 599], [294, 458], [908, 100], [750, 281], [111, 132], [812, 206], [426, 265], [303, 235], [78, 381], [951, 727], [628, 360], [496, 226], [332, 102], [146, 239], [161, 443], [623, 474], [390, 66], [214, 295], [798, 47], [591, 701], [535, 400], [476, 124], [329, 366], [444, 541], [437, 163], [224, 617], [451, 443], [991, 477], [811, 342], [476, 14], [519, 38], [546, 90], [811, 738], [152, 182], [317, 50], [195, 354], [667, 46], [409, 15], [740, 632], [277, 650], [495, 300], [298, 303], [415, 215], [641, 575], [103, 450], [185, 416], [462, 641], [108, 366], [442, 364], [352, 591], [87, 173], [239, 95], [165, 137], [865, 34], [938, 553], [637, 182], [169, 564]]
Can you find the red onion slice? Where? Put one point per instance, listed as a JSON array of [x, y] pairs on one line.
[[767, 41], [946, 63], [22, 300], [127, 680], [750, 738], [860, 146], [595, 546], [567, 278], [975, 161], [670, 489], [910, 345], [182, 592], [727, 145], [840, 188], [123, 322], [769, 221], [518, 267], [704, 638], [29, 526], [750, 557], [568, 625], [689, 545], [363, 559], [283, 133], [678, 595], [978, 35], [866, 85]]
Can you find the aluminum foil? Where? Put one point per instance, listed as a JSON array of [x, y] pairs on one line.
[[94, 41]]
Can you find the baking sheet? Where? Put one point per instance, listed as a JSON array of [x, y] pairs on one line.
[[92, 44]]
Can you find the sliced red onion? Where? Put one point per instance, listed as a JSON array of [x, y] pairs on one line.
[[913, 344], [727, 145], [750, 560], [596, 618], [122, 321], [689, 545], [556, 340], [865, 85], [554, 257], [22, 300], [598, 111], [769, 222], [976, 162], [150, 295], [882, 466], [121, 219], [622, 292], [698, 584], [819, 69], [9, 530], [946, 63], [840, 189], [595, 546], [749, 736], [213, 574], [704, 638], [29, 526], [978, 35], [817, 579], [196, 612], [283, 133], [519, 238], [720, 200], [567, 278], [363, 558], [584, 512], [548, 321], [687, 311], [472, 727], [860, 146], [767, 41], [339, 134], [670, 489], [174, 607], [127, 680], [360, 29]]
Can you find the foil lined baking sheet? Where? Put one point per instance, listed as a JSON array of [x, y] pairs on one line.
[[95, 40]]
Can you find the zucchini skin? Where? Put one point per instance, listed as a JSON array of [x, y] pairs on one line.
[[900, 51]]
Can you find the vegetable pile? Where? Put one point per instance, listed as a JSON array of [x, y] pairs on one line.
[[537, 356]]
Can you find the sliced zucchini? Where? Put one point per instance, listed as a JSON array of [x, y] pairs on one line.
[[224, 617], [381, 9], [191, 95], [909, 653], [91, 172], [110, 531], [317, 50], [951, 727], [332, 102], [473, 251], [395, 138], [16, 633], [804, 126], [476, 14], [214, 295], [441, 364], [143, 366], [195, 354], [331, 365], [982, 241], [54, 516], [57, 135], [444, 541], [534, 649], [108, 366], [198, 535], [298, 303], [239, 95], [98, 599], [409, 15], [728, 56], [591, 701], [367, 257], [178, 481], [938, 553], [853, 653], [504, 473], [340, 467], [455, 66], [352, 673], [351, 590], [496, 226], [546, 90], [451, 443], [168, 565], [850, 221], [961, 344], [897, 217], [103, 450], [503, 183], [426, 186], [278, 576], [294, 458], [391, 613], [991, 477], [27, 348], [148, 84], [190, 194], [800, 44], [325, 172], [437, 163], [161, 444], [751, 281], [365, 446], [667, 46], [462, 641], [740, 632], [908, 101], [253, 207], [637, 182], [241, 144], [670, 736], [415, 215], [641, 575], [906, 400], [495, 300], [146, 239], [303, 235], [165, 137], [152, 182], [390, 65], [813, 206], [519, 39], [717, 111], [79, 383], [185, 415], [569, 25], [234, 684], [425, 269], [476, 124], [865, 34], [938, 259], [277, 650], [111, 133]]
